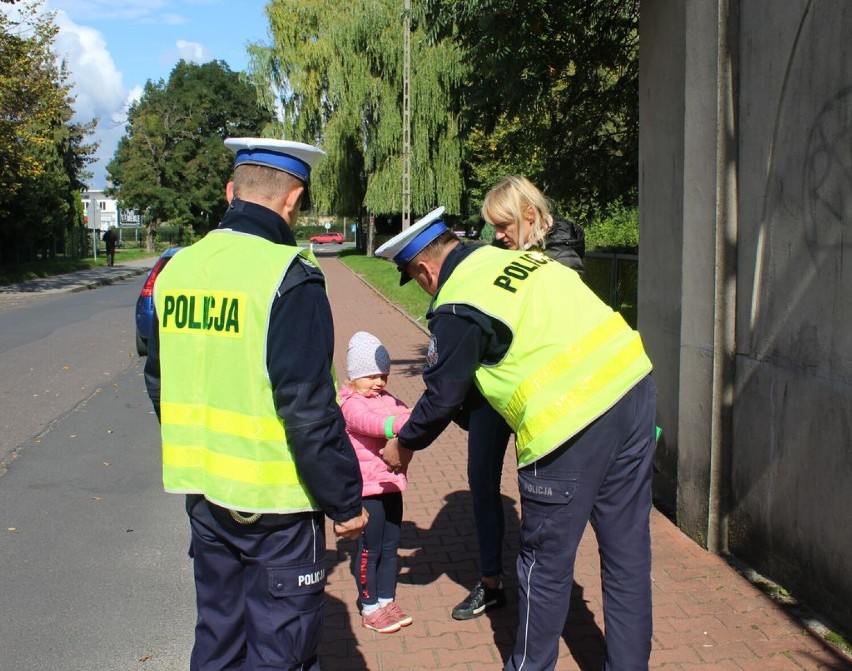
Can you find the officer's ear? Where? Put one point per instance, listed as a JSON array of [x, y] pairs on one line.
[[424, 273], [294, 198], [292, 205]]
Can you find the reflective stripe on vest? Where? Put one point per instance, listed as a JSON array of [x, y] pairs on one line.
[[571, 357], [222, 436]]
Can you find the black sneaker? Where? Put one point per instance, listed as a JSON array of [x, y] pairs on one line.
[[480, 599]]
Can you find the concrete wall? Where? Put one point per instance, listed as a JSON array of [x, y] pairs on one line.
[[661, 123], [745, 299]]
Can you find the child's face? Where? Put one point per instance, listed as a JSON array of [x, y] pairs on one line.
[[371, 385]]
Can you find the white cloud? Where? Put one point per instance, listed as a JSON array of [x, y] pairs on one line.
[[192, 51], [97, 83], [134, 95], [96, 86], [173, 19]]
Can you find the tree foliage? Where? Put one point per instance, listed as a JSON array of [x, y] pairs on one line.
[[335, 70], [172, 164], [43, 154], [555, 98], [542, 88]]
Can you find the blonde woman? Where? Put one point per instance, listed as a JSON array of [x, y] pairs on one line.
[[522, 219]]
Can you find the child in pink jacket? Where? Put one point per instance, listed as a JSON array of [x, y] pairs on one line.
[[372, 417]]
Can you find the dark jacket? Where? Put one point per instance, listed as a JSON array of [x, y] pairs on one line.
[[110, 239], [300, 346], [565, 242]]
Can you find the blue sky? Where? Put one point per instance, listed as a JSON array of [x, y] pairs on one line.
[[112, 47]]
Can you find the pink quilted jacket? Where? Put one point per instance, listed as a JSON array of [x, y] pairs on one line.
[[365, 424]]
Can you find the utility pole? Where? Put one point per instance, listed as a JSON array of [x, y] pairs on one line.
[[406, 117]]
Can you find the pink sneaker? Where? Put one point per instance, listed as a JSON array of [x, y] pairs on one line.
[[381, 621], [401, 617]]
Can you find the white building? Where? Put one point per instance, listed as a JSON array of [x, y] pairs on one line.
[[99, 212]]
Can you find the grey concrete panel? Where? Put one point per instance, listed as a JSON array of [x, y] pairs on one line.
[[790, 484], [661, 66], [698, 263], [790, 461]]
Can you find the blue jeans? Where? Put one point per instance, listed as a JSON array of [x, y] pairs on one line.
[[488, 436]]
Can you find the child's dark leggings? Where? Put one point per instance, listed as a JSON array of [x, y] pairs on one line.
[[376, 562]]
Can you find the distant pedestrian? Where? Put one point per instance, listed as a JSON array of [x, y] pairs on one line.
[[572, 381], [373, 416], [110, 240]]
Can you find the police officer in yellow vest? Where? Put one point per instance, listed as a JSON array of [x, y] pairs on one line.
[[240, 374], [571, 378]]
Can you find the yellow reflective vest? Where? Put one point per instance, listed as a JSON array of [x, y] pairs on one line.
[[571, 357], [222, 436]]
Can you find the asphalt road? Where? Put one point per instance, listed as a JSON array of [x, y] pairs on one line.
[[94, 574]]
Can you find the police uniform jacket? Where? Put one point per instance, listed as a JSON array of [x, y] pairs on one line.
[[300, 349], [462, 337], [565, 242]]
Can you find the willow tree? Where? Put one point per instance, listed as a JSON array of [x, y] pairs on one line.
[[334, 73]]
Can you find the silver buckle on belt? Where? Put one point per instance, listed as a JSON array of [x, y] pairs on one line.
[[239, 518]]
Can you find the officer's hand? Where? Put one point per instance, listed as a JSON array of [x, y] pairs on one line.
[[396, 456], [351, 528]]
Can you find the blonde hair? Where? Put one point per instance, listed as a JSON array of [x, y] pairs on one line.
[[253, 182], [508, 201]]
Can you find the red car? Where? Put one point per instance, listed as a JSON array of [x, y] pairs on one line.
[[322, 238]]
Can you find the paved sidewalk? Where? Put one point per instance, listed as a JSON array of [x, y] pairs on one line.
[[79, 280], [706, 616]]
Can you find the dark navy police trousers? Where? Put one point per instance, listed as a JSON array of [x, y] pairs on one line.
[[259, 590], [602, 475]]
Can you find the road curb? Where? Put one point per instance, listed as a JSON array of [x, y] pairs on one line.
[[94, 284]]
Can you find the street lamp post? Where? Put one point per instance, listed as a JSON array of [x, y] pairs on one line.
[[92, 219], [406, 117]]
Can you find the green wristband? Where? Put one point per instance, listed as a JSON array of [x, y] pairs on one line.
[[389, 427]]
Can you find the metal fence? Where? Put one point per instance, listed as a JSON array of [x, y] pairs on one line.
[[614, 277]]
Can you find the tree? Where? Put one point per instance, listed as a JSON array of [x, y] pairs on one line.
[[558, 101], [171, 164], [43, 155], [335, 70]]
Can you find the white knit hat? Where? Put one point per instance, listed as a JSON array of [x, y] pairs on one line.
[[366, 356]]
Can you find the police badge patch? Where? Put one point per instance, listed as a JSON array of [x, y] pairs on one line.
[[432, 352]]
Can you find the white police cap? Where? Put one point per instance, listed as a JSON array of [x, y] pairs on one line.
[[294, 158], [406, 245]]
